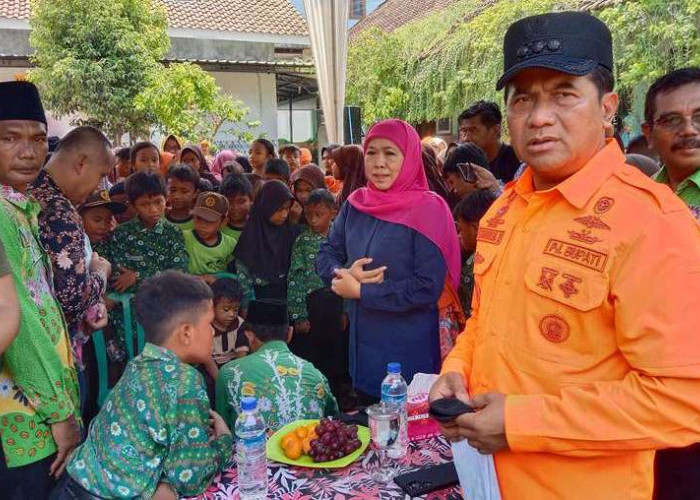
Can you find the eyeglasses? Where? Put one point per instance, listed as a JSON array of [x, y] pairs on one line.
[[674, 122]]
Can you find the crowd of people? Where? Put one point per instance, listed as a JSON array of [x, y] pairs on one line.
[[553, 282]]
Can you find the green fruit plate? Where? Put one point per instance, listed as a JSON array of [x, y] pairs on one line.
[[276, 453]]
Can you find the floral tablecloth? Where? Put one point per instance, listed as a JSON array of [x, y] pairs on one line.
[[298, 483]]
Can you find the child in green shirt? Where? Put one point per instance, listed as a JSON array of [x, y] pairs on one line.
[[209, 250], [239, 192], [155, 430], [182, 183]]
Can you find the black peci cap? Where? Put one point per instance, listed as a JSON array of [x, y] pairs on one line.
[[270, 312], [20, 101], [569, 42]]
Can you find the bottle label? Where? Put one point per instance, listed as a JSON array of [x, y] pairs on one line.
[[253, 441], [400, 400]]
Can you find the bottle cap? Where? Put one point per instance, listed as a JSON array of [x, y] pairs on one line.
[[249, 403], [393, 367]]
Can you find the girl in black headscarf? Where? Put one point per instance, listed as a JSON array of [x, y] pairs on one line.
[[263, 254], [193, 156]]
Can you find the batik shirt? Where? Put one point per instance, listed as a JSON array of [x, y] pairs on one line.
[[287, 387], [63, 237], [302, 278], [147, 251], [153, 427], [688, 190], [38, 384]]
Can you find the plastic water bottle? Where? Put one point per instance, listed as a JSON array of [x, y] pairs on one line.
[[394, 390], [251, 455]]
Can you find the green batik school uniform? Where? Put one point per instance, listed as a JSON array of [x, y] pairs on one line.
[[153, 427], [208, 259], [148, 252], [287, 387]]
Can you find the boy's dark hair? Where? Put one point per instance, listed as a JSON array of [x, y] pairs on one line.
[[118, 188], [321, 197], [227, 288], [123, 154], [279, 167], [473, 206], [268, 146], [138, 147], [667, 83], [467, 152], [268, 333], [145, 183], [167, 299], [244, 162], [205, 185], [290, 147], [235, 185], [488, 112], [183, 173]]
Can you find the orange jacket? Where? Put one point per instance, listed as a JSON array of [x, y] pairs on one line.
[[587, 316]]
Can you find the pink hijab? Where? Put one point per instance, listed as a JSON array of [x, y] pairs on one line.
[[217, 167], [409, 201]]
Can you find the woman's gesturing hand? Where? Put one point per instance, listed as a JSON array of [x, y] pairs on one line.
[[365, 277], [345, 285]]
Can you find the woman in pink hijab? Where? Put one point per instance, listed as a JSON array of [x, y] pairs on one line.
[[217, 166], [388, 253]]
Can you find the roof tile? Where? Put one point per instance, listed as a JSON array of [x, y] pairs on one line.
[[276, 17]]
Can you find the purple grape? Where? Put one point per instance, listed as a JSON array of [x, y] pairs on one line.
[[348, 449], [338, 455], [356, 443], [327, 438]]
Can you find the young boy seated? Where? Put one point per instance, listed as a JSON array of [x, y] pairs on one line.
[[276, 169], [155, 427], [182, 183], [239, 192], [291, 154], [287, 387], [209, 250], [229, 340], [145, 156], [468, 213], [316, 312]]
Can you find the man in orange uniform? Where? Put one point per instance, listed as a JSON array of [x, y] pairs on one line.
[[583, 353]]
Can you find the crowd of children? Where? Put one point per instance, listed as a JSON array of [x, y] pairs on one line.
[[247, 232]]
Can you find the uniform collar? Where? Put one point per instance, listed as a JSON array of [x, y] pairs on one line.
[[21, 201], [580, 187], [152, 351], [158, 228], [273, 345]]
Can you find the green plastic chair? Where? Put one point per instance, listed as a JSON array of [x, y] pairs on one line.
[[98, 340]]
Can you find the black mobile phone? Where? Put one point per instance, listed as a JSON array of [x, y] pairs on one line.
[[427, 479], [447, 409]]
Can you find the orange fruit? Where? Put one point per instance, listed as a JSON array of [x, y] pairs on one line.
[[293, 451], [306, 445], [289, 437], [301, 432]]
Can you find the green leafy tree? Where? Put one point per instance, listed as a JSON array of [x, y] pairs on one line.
[[434, 67], [185, 100], [94, 57]]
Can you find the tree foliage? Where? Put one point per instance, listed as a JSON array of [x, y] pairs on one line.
[[435, 66], [184, 100], [100, 60], [94, 57]]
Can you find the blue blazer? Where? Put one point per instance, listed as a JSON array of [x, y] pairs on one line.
[[396, 320]]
